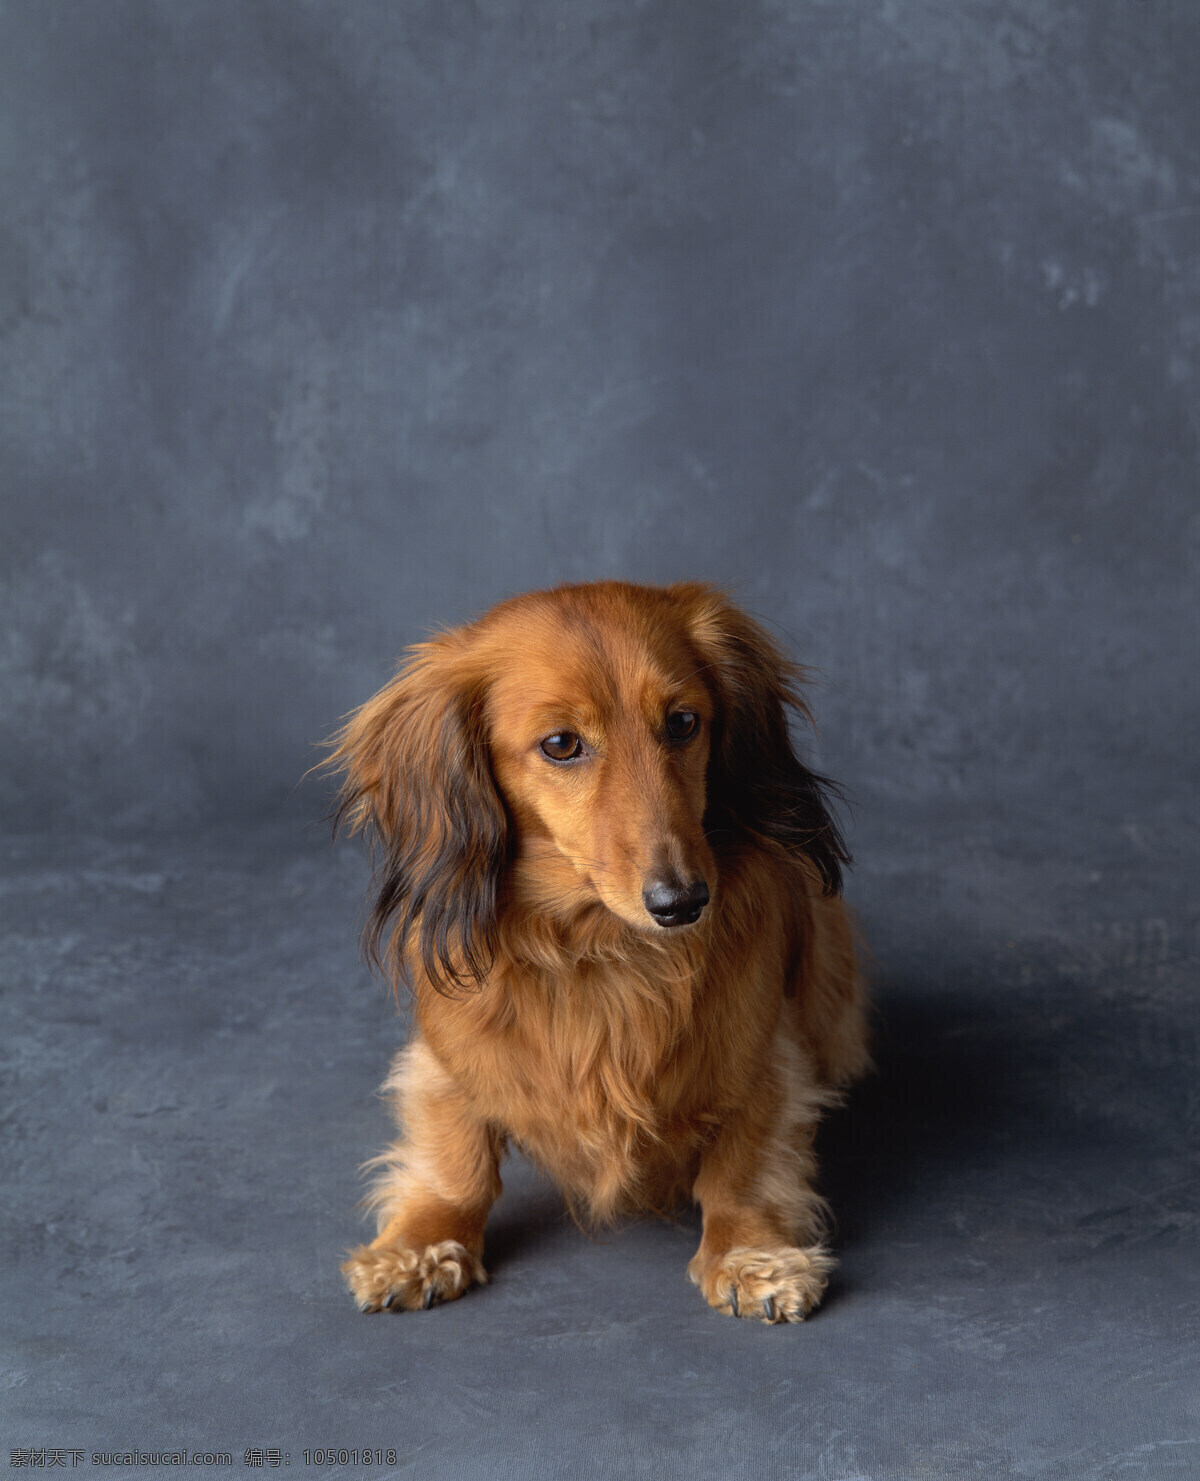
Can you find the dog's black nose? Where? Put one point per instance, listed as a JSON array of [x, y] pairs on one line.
[[672, 903]]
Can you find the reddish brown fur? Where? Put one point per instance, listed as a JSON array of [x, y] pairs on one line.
[[638, 1063]]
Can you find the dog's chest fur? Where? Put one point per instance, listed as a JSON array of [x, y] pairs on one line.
[[610, 1078]]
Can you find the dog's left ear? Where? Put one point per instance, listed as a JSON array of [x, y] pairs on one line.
[[417, 776], [756, 780]]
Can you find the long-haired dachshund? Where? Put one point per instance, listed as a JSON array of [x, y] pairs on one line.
[[613, 888]]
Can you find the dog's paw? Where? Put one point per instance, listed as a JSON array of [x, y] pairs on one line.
[[780, 1285], [396, 1278]]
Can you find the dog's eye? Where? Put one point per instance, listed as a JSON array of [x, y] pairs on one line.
[[563, 745], [682, 724]]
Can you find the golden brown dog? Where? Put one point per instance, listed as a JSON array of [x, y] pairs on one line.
[[613, 888]]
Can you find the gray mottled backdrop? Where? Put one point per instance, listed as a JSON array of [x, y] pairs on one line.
[[325, 324]]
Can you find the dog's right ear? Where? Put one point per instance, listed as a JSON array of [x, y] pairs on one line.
[[417, 777]]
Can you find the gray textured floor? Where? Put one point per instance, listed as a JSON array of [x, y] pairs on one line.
[[193, 1048]]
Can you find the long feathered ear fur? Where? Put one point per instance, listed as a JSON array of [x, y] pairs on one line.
[[416, 775], [756, 780]]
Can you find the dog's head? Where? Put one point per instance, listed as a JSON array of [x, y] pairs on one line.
[[582, 747]]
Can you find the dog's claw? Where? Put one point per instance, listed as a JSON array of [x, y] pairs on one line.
[[429, 1298], [733, 1301], [391, 1300], [366, 1306], [769, 1308]]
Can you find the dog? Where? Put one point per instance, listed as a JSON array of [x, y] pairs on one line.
[[614, 891]]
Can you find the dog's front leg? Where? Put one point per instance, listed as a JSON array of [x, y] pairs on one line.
[[432, 1195], [760, 1256]]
